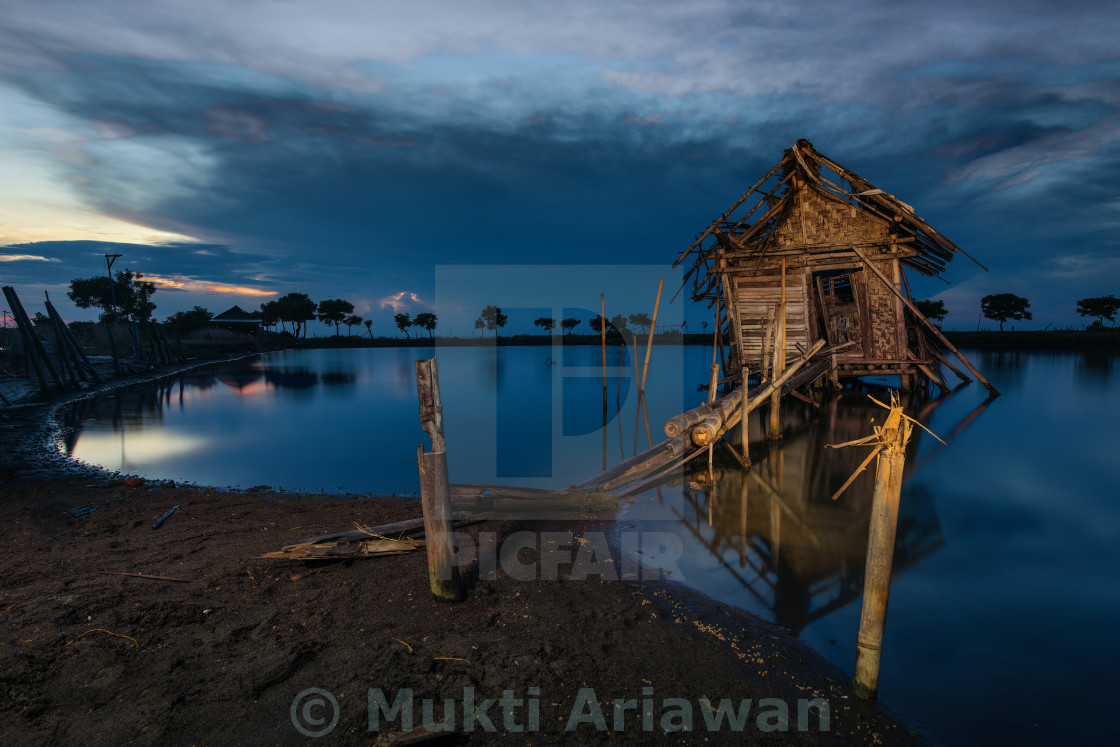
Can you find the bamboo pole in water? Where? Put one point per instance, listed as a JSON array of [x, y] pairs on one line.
[[645, 370], [880, 551], [713, 380], [435, 490], [725, 410]]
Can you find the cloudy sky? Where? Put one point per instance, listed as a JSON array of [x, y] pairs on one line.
[[234, 151]]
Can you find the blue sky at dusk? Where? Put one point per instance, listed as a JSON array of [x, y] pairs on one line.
[[235, 151]]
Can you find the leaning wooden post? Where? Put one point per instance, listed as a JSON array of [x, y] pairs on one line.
[[435, 489], [880, 551]]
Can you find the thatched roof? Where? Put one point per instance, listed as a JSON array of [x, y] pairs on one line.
[[735, 232], [235, 314]]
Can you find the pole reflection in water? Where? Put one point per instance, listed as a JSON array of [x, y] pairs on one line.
[[797, 554]]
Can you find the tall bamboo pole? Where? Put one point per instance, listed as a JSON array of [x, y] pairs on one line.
[[779, 359], [435, 490], [880, 551]]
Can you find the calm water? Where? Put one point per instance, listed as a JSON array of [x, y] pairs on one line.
[[1004, 603]]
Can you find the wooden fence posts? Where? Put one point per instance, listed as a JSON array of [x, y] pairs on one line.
[[435, 490]]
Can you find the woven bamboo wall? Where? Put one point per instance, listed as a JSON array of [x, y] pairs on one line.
[[813, 219], [826, 220]]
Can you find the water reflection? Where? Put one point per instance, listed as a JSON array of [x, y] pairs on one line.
[[775, 532]]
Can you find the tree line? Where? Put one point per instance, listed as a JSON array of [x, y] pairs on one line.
[[1008, 307], [128, 297]]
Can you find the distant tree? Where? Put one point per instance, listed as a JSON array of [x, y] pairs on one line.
[[297, 308], [1104, 308], [596, 323], [479, 323], [426, 320], [190, 321], [547, 322], [369, 327], [333, 311], [618, 322], [494, 319], [932, 310], [270, 314], [641, 321], [569, 324], [133, 296], [41, 320], [351, 322], [1002, 307], [404, 321]]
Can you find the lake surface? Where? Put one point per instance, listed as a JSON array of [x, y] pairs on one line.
[[1004, 603]]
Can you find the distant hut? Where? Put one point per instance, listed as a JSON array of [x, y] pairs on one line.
[[837, 249], [238, 320]]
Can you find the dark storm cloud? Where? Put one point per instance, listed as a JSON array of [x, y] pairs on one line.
[[410, 137]]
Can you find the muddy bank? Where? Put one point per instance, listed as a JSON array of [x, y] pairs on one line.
[[219, 656]]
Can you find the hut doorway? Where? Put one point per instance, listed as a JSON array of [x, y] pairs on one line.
[[841, 305]]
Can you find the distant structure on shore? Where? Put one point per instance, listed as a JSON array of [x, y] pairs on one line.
[[824, 258]]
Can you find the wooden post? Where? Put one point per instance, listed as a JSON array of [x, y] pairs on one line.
[[33, 348], [745, 456], [435, 489], [880, 551], [766, 344], [775, 430]]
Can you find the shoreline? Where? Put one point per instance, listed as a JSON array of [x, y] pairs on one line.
[[219, 656]]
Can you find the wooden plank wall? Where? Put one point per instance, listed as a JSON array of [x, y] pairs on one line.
[[758, 293]]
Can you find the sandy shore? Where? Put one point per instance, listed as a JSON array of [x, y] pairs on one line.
[[219, 655]]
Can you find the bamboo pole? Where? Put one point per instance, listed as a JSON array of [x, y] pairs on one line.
[[87, 369], [775, 430], [949, 365], [649, 343], [710, 429], [33, 348], [69, 372], [744, 432], [880, 551], [435, 490], [766, 343], [930, 325]]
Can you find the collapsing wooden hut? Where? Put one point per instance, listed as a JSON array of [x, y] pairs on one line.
[[823, 254]]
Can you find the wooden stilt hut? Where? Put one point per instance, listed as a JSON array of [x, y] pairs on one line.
[[832, 250]]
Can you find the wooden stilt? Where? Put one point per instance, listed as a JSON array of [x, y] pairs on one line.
[[435, 490], [880, 551]]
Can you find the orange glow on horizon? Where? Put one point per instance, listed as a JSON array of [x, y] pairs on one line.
[[180, 282]]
